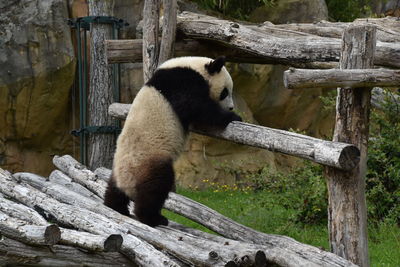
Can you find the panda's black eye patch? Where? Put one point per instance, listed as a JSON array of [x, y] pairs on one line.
[[223, 94]]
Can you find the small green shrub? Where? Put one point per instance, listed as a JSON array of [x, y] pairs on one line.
[[383, 177], [302, 189]]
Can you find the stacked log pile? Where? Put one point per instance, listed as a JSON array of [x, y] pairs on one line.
[[61, 221]]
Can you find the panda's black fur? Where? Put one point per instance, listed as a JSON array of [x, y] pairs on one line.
[[147, 176]]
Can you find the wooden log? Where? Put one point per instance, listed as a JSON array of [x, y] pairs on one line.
[[281, 250], [333, 78], [28, 233], [339, 155], [170, 8], [22, 212], [14, 215], [137, 250], [91, 242], [347, 205], [89, 180], [59, 177], [151, 47], [15, 253], [387, 28], [102, 173], [191, 249], [278, 48], [123, 51], [100, 147]]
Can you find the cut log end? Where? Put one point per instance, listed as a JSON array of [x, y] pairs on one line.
[[52, 234], [349, 158], [113, 243], [260, 259]]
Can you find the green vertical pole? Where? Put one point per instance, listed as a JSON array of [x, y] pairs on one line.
[[81, 98], [116, 77], [84, 93]]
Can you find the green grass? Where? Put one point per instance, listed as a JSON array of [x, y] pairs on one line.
[[262, 211]]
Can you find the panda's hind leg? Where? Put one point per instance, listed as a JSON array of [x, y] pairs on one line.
[[115, 198], [152, 191]]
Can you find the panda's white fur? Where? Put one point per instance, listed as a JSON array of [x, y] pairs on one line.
[[154, 133], [217, 82], [151, 128]]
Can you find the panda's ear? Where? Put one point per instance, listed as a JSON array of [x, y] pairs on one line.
[[216, 65]]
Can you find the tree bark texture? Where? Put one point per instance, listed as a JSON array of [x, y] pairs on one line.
[[151, 14], [124, 51], [279, 48], [335, 154], [28, 233], [100, 146], [354, 78], [347, 205], [170, 8]]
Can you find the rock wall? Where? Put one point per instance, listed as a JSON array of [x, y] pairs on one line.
[[37, 66]]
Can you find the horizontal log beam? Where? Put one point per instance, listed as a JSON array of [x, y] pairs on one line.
[[339, 155], [130, 51], [279, 47], [333, 78]]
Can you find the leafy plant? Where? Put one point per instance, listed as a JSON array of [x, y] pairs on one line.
[[383, 177], [239, 9]]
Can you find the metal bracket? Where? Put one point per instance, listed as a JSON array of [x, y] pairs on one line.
[[96, 130], [85, 21]]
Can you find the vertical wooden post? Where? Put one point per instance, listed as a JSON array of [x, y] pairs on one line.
[[347, 205], [100, 146], [151, 14], [169, 30]]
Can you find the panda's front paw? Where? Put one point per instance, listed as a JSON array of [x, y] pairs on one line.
[[236, 117]]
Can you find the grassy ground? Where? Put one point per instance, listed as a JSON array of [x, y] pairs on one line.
[[262, 211]]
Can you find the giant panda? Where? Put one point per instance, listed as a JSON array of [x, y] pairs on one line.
[[182, 92]]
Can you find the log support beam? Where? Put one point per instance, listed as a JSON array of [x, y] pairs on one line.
[[339, 155], [333, 78]]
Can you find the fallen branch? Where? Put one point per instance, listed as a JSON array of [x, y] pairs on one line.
[[333, 78], [339, 155]]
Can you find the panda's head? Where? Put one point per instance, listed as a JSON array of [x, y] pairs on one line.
[[214, 72]]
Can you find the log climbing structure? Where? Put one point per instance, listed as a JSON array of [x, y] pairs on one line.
[[46, 220]]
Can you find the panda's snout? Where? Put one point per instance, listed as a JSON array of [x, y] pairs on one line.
[[230, 108]]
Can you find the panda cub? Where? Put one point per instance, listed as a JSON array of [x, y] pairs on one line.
[[182, 92]]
